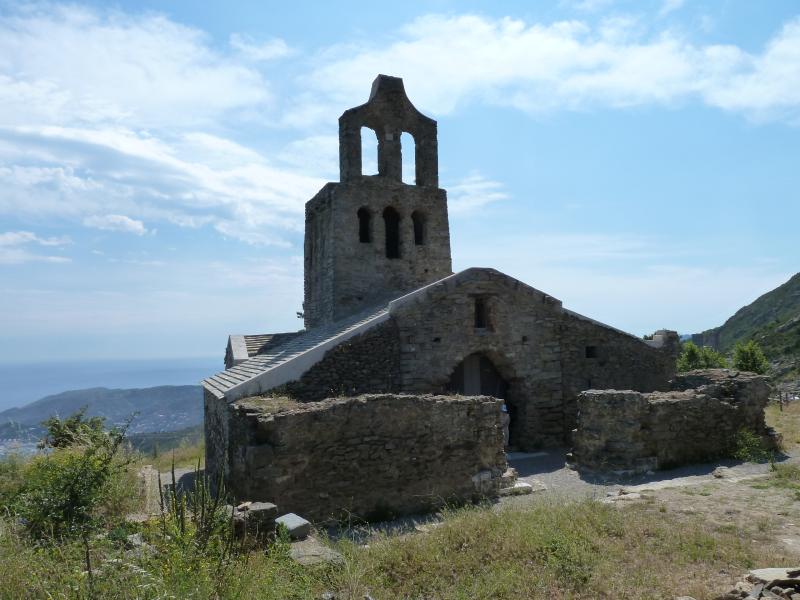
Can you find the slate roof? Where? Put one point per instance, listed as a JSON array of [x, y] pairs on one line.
[[311, 344], [285, 357], [260, 344]]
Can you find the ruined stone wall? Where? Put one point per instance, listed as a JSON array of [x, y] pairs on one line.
[[367, 363], [695, 422], [595, 356], [366, 457]]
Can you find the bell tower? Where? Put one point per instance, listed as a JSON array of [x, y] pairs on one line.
[[370, 238]]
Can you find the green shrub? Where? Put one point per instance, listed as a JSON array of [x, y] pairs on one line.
[[750, 357], [65, 487], [12, 469], [693, 357], [750, 447], [75, 430]]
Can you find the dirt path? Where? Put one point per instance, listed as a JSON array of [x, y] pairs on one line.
[[724, 493]]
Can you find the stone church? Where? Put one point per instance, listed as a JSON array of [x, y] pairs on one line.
[[384, 313]]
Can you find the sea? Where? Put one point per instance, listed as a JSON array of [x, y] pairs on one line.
[[24, 382]]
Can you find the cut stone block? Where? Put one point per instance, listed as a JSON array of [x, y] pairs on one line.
[[767, 575], [296, 525]]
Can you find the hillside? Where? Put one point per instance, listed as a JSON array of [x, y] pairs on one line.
[[157, 409], [773, 320]]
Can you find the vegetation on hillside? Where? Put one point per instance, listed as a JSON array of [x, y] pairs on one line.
[[748, 356], [773, 321], [693, 357]]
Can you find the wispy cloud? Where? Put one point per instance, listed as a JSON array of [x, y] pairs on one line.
[[259, 51], [474, 192], [116, 223], [14, 248]]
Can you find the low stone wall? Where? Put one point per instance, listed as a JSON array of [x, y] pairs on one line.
[[369, 456], [632, 432]]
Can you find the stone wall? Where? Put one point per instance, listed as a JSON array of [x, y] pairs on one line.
[[595, 356], [626, 431], [368, 363], [545, 354], [368, 456], [539, 348]]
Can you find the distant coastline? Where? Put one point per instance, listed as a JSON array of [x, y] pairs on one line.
[[23, 383]]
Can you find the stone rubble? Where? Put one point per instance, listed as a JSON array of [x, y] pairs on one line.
[[771, 583]]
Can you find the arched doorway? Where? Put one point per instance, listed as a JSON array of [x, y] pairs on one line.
[[477, 375]]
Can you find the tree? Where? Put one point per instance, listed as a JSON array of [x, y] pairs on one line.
[[749, 357], [692, 357]]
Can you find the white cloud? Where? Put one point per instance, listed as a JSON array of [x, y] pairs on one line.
[[450, 60], [472, 193], [264, 51], [115, 223], [137, 135], [13, 248], [16, 238], [67, 63]]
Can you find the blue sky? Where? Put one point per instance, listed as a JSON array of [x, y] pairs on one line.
[[638, 160]]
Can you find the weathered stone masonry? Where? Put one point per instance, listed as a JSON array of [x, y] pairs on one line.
[[367, 364], [366, 457], [546, 354], [697, 421]]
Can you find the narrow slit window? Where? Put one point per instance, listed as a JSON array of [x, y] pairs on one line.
[[481, 314], [418, 219], [391, 221], [591, 351], [364, 226]]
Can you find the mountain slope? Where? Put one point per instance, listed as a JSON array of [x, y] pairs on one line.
[[162, 408], [773, 320]]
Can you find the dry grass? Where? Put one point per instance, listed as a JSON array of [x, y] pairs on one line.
[[786, 421], [269, 403], [552, 549], [560, 549], [185, 455]]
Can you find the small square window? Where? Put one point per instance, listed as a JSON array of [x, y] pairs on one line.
[[591, 351]]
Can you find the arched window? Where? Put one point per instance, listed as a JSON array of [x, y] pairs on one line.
[[369, 151], [418, 219], [364, 226], [391, 222], [408, 150]]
